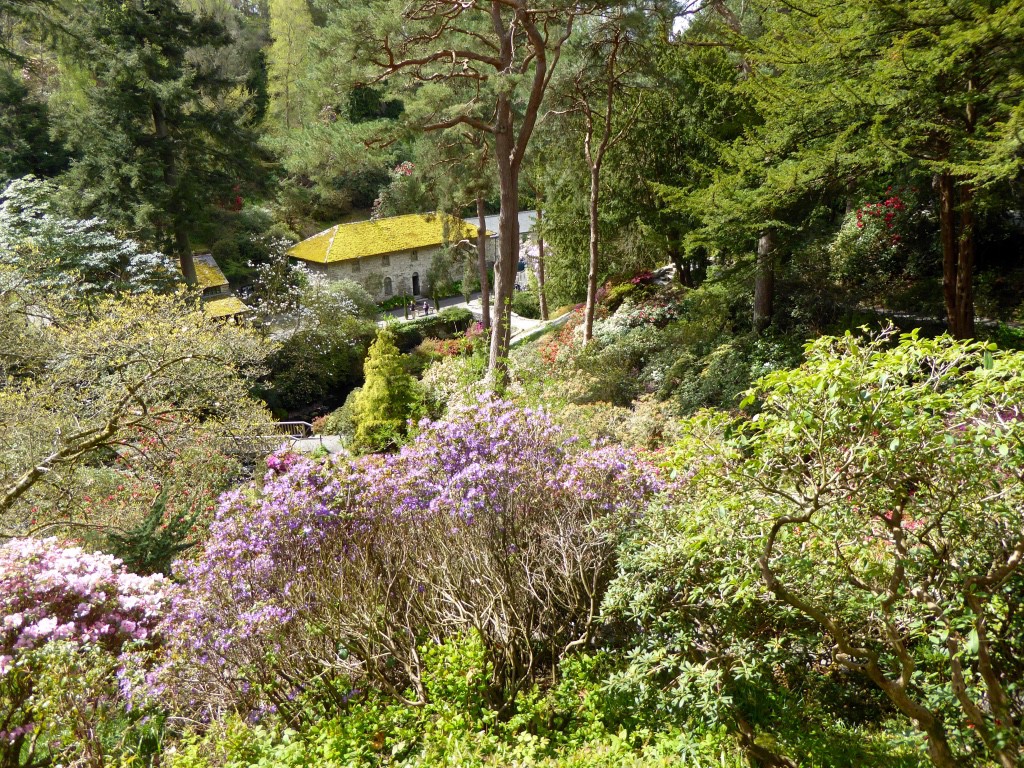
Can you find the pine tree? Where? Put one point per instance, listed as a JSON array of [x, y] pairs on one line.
[[157, 137], [389, 397]]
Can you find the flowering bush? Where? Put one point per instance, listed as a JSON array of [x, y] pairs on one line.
[[453, 380], [659, 310], [467, 344], [490, 521], [49, 591], [870, 249], [52, 594]]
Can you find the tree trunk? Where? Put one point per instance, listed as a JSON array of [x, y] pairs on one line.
[[965, 267], [595, 180], [947, 235], [541, 293], [957, 255], [182, 246], [764, 281], [684, 270], [481, 263], [508, 254]]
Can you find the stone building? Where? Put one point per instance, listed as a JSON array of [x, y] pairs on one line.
[[388, 257]]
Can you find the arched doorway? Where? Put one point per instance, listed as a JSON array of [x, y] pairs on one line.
[[387, 286], [415, 283]]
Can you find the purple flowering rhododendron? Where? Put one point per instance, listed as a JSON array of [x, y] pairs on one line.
[[52, 591], [490, 520]]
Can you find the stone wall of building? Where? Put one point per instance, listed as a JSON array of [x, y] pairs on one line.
[[375, 272], [389, 275]]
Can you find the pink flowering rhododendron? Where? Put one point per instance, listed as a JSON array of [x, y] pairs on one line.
[[52, 591]]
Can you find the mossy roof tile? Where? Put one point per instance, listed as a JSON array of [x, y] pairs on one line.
[[207, 272]]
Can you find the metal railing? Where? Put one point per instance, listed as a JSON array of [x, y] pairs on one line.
[[293, 429]]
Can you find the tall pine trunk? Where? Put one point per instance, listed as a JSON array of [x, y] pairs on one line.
[[764, 281], [508, 251], [683, 267], [481, 262], [182, 246], [595, 182]]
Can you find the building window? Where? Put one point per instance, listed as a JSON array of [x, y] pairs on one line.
[[387, 259], [387, 285], [355, 265], [414, 256]]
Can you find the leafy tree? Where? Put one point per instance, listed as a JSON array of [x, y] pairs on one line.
[[926, 90], [483, 66], [52, 251], [388, 399], [157, 137], [597, 81], [460, 170], [404, 193], [690, 113], [877, 494], [34, 17], [443, 273], [143, 376], [326, 326], [291, 28]]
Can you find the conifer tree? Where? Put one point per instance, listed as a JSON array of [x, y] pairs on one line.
[[291, 26], [157, 138], [389, 397]]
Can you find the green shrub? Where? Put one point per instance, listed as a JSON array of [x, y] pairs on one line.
[[342, 421], [446, 324], [526, 304], [388, 399], [615, 295], [395, 302], [576, 723], [818, 528]]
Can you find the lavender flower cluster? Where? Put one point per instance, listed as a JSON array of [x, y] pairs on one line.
[[51, 591], [335, 565]]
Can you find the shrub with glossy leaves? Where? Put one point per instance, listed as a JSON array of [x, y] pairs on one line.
[[860, 535], [490, 521]]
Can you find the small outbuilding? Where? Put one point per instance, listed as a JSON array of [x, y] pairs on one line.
[[218, 301]]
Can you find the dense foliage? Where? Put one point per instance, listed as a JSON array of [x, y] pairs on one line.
[[97, 397], [660, 527]]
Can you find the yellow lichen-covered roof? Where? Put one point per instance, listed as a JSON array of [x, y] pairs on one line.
[[380, 236], [207, 272], [224, 306]]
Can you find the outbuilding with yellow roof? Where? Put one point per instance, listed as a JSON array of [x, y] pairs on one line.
[[218, 301]]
